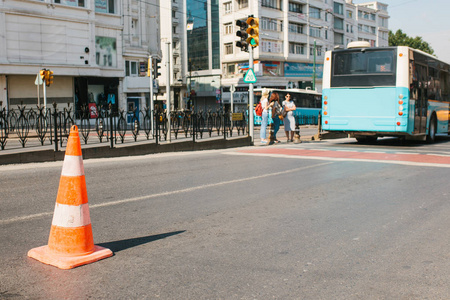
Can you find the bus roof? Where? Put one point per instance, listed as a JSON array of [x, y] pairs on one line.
[[388, 48]]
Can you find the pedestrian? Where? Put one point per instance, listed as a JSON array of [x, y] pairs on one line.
[[265, 115], [289, 120], [276, 112]]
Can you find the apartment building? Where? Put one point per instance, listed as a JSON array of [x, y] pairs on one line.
[[97, 50], [293, 34], [172, 41]]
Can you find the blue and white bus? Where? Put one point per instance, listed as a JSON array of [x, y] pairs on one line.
[[391, 91], [308, 103]]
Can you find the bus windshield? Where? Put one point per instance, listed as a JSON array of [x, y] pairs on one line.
[[364, 68]]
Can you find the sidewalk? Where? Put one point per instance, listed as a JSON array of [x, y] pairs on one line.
[[14, 153]]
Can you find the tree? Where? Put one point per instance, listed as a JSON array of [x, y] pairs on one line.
[[402, 39]]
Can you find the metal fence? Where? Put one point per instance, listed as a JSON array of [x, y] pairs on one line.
[[52, 125]]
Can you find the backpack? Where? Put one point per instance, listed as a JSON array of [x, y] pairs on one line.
[[258, 109]]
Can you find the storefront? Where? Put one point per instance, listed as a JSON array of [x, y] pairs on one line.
[[96, 93]]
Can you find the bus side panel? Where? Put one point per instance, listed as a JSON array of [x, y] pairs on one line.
[[442, 111], [364, 109]]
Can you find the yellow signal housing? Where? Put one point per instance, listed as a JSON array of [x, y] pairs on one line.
[[253, 31], [42, 73], [49, 78]]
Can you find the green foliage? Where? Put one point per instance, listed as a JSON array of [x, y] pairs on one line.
[[401, 39]]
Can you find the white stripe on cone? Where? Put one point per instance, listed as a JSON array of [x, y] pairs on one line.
[[71, 216], [73, 166]]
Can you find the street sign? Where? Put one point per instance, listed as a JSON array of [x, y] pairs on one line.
[[237, 117], [38, 80], [250, 76]]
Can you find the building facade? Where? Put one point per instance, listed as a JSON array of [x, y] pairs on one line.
[[294, 36], [97, 51]]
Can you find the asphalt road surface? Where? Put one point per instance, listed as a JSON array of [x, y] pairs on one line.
[[319, 220]]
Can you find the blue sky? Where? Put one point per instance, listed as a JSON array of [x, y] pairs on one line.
[[428, 19]]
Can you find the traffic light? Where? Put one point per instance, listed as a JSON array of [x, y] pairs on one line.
[[49, 77], [149, 66], [242, 33], [43, 73], [253, 31], [157, 73]]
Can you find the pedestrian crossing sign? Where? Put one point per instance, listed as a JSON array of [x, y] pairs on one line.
[[250, 76]]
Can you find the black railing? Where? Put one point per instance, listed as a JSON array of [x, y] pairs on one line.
[[38, 126]]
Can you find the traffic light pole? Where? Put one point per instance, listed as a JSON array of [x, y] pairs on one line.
[[169, 129], [44, 89], [250, 97], [152, 104]]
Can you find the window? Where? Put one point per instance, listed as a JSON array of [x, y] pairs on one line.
[[338, 8], [134, 28], [79, 3], [296, 48], [314, 12], [103, 6], [131, 68], [384, 22], [338, 23], [338, 38], [295, 28], [227, 7], [174, 29], [314, 32], [229, 48], [318, 50], [228, 28], [349, 14], [271, 3], [271, 24], [231, 68], [366, 15], [295, 7], [242, 3], [271, 46]]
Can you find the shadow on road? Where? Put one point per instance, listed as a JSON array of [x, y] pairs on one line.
[[129, 243]]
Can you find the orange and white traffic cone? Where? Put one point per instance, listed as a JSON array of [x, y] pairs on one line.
[[71, 243]]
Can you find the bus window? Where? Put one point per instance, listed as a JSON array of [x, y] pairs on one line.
[[364, 68]]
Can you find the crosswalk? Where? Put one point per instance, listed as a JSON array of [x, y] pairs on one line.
[[414, 158]]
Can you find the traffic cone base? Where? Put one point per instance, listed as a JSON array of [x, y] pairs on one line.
[[71, 243], [45, 255]]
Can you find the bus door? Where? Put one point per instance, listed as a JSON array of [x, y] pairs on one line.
[[420, 115]]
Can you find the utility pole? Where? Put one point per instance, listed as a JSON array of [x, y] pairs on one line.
[[314, 68]]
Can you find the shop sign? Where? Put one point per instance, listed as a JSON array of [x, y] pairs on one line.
[[302, 70]]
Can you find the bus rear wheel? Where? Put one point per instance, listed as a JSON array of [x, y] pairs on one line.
[[431, 137]]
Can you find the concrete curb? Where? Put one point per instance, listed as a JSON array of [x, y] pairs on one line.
[[104, 151]]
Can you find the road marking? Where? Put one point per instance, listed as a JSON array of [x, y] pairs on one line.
[[389, 158], [163, 194]]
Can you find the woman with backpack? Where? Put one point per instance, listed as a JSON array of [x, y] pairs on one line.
[[265, 115], [276, 112]]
